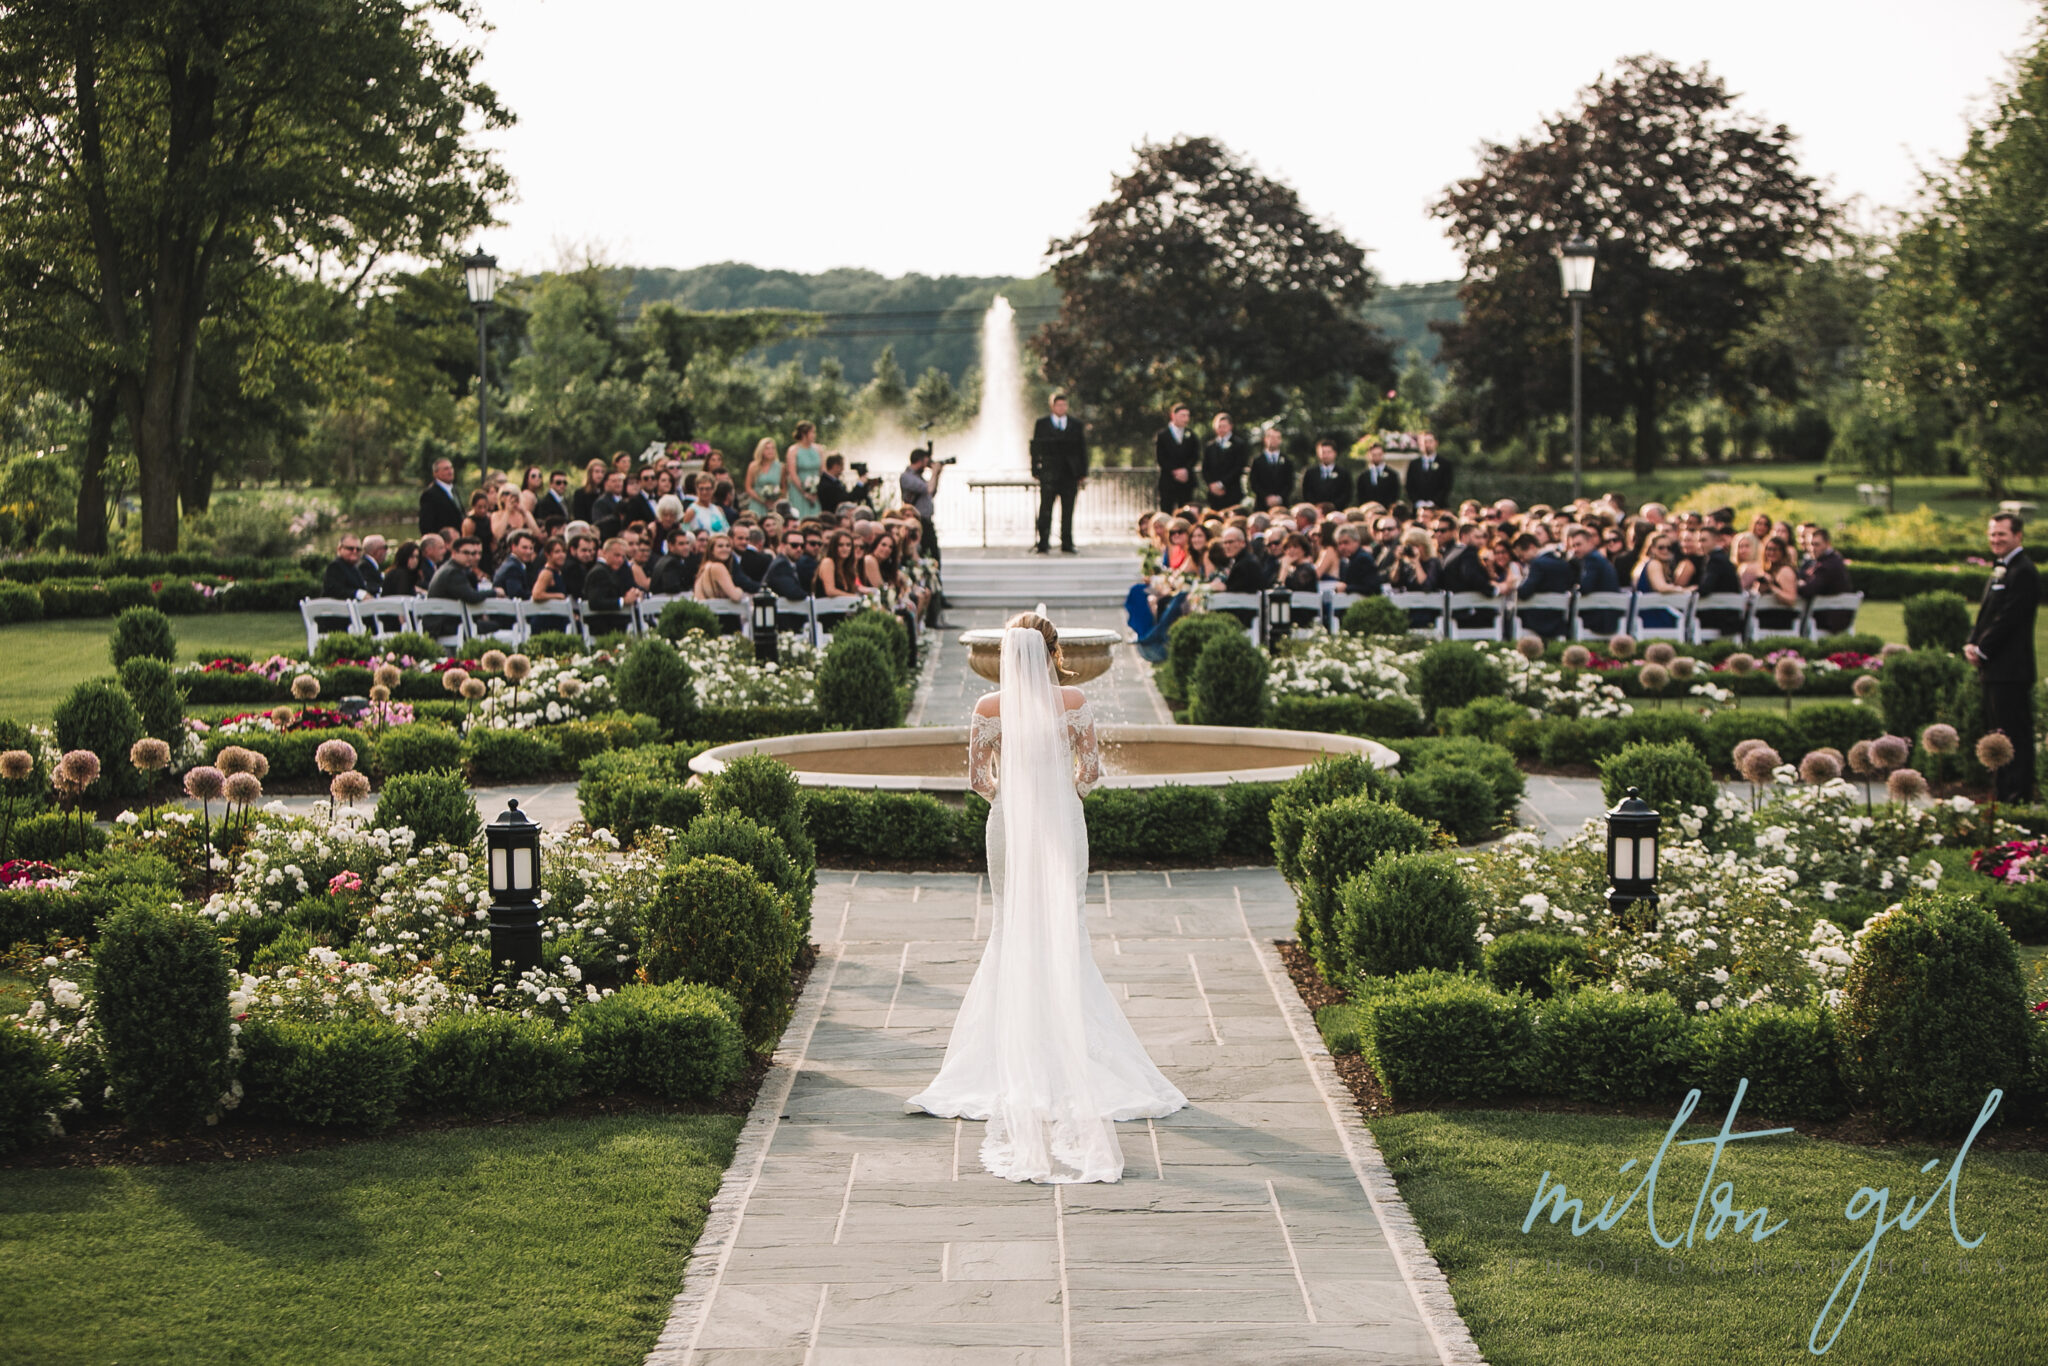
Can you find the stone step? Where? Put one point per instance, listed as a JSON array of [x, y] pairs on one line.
[[1055, 580]]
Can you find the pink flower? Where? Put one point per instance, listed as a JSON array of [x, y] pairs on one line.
[[345, 881]]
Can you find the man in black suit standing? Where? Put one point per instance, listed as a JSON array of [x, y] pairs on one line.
[[1223, 463], [1174, 449], [1272, 474], [440, 510], [1429, 479], [1323, 483], [1378, 482], [2002, 648], [1059, 462]]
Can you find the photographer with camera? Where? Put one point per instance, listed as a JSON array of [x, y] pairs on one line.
[[919, 484], [833, 490]]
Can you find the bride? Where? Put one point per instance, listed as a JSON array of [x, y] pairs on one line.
[[1040, 1049]]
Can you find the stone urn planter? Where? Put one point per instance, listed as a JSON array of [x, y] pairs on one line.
[[1085, 652]]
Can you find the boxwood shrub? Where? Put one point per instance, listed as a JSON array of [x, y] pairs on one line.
[[1374, 615], [1248, 818], [142, 633], [510, 756], [51, 836], [1613, 1046], [1938, 620], [1452, 1041], [1460, 800], [416, 748], [340, 1072], [1451, 673], [765, 790], [856, 684], [98, 716], [33, 1087], [1671, 778], [1404, 913], [1528, 960], [1789, 1054], [1377, 717], [435, 806], [160, 996], [713, 921], [886, 630], [680, 1041], [1322, 782], [751, 845], [1229, 684], [1169, 822], [491, 1062], [1340, 841], [633, 790], [655, 681], [1188, 637]]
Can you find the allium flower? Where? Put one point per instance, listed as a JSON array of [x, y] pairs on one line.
[[235, 759], [205, 783], [1905, 784], [1660, 652], [494, 660], [1742, 749], [1859, 758], [453, 680], [81, 768], [1654, 677], [1820, 766], [473, 689], [1993, 751], [149, 754], [517, 667], [1865, 687], [243, 788], [305, 687], [1760, 763], [349, 787], [1789, 674], [1739, 663], [1941, 738], [1530, 647], [379, 693], [335, 756], [1684, 667], [389, 675], [16, 764], [1621, 646], [570, 686], [261, 766], [1577, 657], [1892, 648], [1889, 751]]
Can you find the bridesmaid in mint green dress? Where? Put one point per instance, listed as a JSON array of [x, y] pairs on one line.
[[804, 462]]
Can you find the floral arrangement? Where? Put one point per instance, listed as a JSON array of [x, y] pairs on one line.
[[1344, 666], [22, 874], [727, 675], [2012, 862]]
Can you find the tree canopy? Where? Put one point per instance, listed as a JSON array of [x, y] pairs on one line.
[[1200, 280]]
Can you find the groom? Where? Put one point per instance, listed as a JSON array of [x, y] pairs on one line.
[[1059, 462]]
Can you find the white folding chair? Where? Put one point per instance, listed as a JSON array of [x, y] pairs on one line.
[[339, 613], [647, 612], [1560, 603], [384, 617], [728, 611], [536, 617], [1249, 608], [1678, 605], [1596, 616], [827, 613], [445, 619], [1491, 627], [1419, 604], [1741, 604], [1851, 603]]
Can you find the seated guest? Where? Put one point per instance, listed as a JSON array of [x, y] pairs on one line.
[[514, 578], [344, 576], [1544, 570], [459, 580], [752, 552], [1297, 568], [721, 578], [675, 573], [609, 592], [1467, 570], [1718, 574], [668, 515], [838, 573], [402, 577], [1386, 542], [1236, 571], [636, 506], [1356, 569], [547, 579], [640, 559], [786, 577], [1415, 565], [576, 569], [1596, 575], [1827, 574], [1777, 589], [1658, 575], [371, 565]]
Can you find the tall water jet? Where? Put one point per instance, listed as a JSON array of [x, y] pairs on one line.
[[1002, 432]]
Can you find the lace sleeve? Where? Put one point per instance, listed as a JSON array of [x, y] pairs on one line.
[[984, 734], [1087, 753]]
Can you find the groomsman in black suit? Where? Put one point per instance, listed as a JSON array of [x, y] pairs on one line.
[[1272, 474], [2002, 648], [1059, 462], [1323, 483], [1378, 482], [1429, 479], [1223, 463], [1175, 449], [440, 510]]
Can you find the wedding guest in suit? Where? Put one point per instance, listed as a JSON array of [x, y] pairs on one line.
[[1827, 574], [786, 577], [607, 512], [1378, 482], [1059, 462], [551, 504], [344, 576], [1356, 569], [440, 510], [1429, 479], [1544, 570], [371, 565], [1718, 574], [1223, 462], [2001, 645], [1323, 483], [1271, 473], [636, 506], [1174, 450], [1596, 575], [609, 591], [1237, 570]]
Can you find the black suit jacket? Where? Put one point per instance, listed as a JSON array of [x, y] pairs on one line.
[[1272, 478], [604, 597], [1173, 455], [439, 510], [785, 580], [1244, 574], [549, 508], [1360, 572], [1379, 484], [831, 492], [637, 507], [1332, 486], [755, 562], [2005, 622], [342, 580], [1057, 454], [1223, 463], [1432, 485], [1465, 571]]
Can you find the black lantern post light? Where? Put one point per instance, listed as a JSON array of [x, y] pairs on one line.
[[480, 277], [1632, 861], [1575, 268], [765, 647], [1279, 617], [514, 844]]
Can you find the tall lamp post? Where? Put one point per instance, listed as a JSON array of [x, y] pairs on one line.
[[1575, 268], [480, 277]]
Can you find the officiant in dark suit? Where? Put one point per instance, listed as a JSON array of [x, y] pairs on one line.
[[1175, 449], [440, 510], [1323, 483], [1059, 462], [1378, 482], [2002, 648], [1429, 479], [1223, 462]]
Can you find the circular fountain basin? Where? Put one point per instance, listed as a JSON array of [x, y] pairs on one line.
[[934, 758], [1084, 650]]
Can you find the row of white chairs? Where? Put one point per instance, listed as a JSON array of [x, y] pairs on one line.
[[514, 621]]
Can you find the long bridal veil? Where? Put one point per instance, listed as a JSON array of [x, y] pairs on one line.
[[1040, 1049]]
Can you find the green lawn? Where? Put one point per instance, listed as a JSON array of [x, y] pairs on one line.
[[552, 1242], [1617, 1299], [41, 661]]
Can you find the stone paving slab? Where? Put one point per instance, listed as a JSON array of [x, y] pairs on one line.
[[1257, 1225]]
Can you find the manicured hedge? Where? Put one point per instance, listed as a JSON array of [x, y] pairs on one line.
[[1455, 1041], [38, 568]]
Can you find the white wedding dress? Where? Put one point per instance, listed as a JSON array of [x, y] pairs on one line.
[[1040, 1048]]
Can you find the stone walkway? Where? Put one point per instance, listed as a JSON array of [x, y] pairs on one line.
[[1258, 1225]]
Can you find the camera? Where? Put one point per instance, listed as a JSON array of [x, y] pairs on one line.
[[950, 460], [859, 467]]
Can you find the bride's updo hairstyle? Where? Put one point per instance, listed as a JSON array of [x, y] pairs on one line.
[[1031, 621]]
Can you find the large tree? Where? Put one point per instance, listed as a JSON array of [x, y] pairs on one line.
[[165, 153], [1686, 199], [1200, 280]]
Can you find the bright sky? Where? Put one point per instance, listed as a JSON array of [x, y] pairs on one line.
[[951, 138]]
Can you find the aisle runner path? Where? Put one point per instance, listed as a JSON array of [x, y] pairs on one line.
[[1258, 1225]]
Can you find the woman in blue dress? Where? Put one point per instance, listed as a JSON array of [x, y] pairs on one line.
[[1658, 575], [801, 468]]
